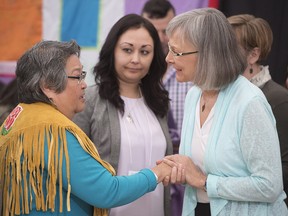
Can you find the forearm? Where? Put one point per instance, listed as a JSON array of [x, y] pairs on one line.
[[95, 185]]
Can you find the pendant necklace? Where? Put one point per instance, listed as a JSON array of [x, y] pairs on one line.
[[129, 116], [203, 105], [211, 101]]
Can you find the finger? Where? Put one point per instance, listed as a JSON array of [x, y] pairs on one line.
[[173, 176], [183, 176], [169, 162], [171, 157], [166, 181], [179, 173], [159, 161]]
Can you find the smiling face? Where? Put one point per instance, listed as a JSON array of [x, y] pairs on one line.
[[185, 65], [133, 53], [72, 99]]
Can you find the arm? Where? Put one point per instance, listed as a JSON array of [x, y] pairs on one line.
[[260, 151], [91, 182]]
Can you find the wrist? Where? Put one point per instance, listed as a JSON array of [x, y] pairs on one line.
[[156, 177]]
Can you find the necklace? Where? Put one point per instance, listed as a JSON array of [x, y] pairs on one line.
[[203, 107], [210, 100], [129, 116], [204, 104]]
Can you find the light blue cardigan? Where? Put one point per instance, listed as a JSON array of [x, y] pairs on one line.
[[242, 157]]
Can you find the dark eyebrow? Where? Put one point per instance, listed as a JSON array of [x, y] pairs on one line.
[[126, 43], [143, 46]]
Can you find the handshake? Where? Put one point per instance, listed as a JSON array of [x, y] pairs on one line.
[[179, 169]]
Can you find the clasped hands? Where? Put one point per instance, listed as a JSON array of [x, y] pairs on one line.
[[179, 169]]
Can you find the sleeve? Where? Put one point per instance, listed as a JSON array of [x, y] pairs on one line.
[[260, 151], [94, 184], [281, 116]]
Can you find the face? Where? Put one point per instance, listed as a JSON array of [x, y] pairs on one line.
[[160, 25], [184, 65], [72, 99], [133, 53]]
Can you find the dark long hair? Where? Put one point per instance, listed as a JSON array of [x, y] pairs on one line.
[[156, 97]]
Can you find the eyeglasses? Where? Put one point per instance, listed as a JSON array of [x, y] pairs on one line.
[[180, 54], [80, 78]]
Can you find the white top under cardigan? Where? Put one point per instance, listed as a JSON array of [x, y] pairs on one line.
[[199, 142], [142, 144]]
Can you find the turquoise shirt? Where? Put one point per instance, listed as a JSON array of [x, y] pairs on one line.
[[242, 156], [92, 185]]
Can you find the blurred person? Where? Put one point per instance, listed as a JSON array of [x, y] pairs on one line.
[[229, 145], [2, 86], [286, 81], [8, 99], [126, 110], [255, 38], [277, 17], [48, 166], [159, 13]]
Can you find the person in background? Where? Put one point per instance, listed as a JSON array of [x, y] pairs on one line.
[[255, 38], [8, 99], [126, 110], [286, 81], [48, 165], [229, 145], [2, 86], [159, 13]]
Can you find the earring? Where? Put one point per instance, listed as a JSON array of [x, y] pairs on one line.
[[251, 69]]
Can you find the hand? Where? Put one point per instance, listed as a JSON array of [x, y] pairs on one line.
[[163, 171], [193, 175], [177, 173]]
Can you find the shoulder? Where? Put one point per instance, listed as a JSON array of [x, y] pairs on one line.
[[275, 93], [243, 96], [244, 91]]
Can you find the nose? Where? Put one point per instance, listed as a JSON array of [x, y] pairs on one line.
[[169, 58], [83, 84], [135, 57]]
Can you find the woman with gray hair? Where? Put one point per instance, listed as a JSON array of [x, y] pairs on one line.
[[229, 146], [48, 166]]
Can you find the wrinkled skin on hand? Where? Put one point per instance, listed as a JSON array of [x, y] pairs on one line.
[[186, 171]]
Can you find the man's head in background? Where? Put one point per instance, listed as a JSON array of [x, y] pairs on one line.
[[159, 13]]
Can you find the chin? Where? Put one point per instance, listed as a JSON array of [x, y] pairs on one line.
[[80, 108], [180, 79]]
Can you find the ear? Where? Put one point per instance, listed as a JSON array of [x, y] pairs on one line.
[[254, 55], [48, 92]]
